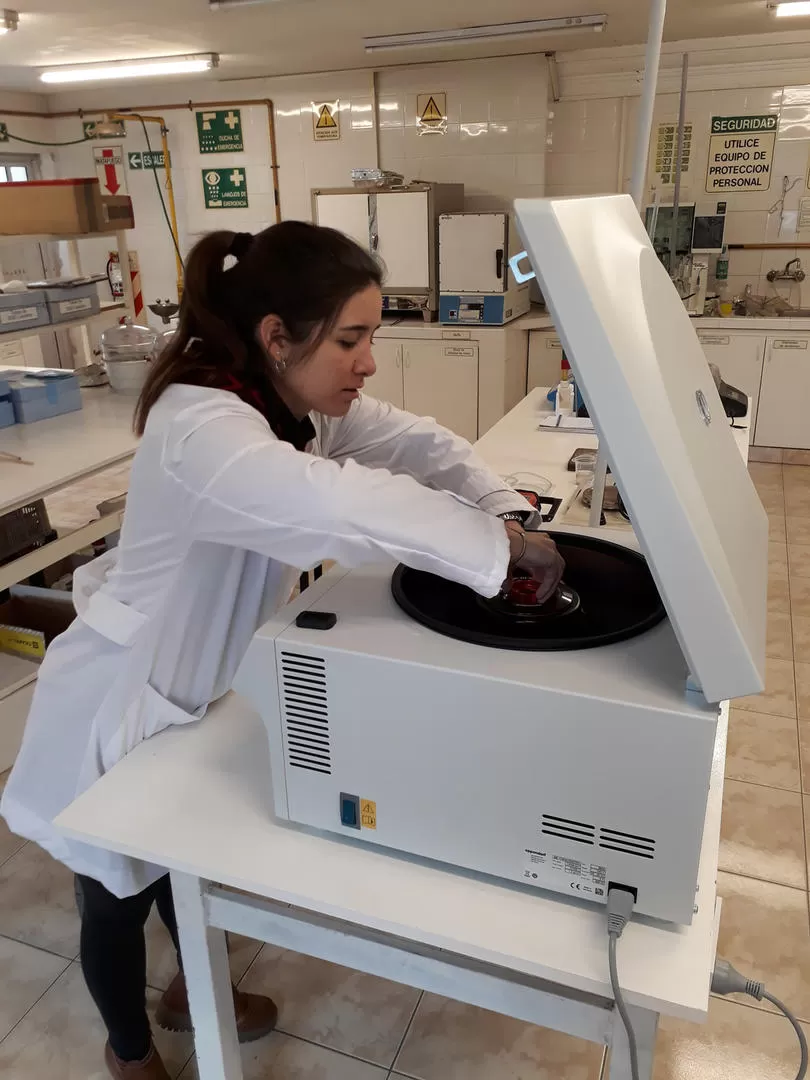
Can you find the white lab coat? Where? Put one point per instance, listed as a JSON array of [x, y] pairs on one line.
[[219, 513]]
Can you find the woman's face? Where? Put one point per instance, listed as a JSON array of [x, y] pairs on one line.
[[332, 377]]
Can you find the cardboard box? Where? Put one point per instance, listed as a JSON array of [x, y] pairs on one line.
[[32, 618], [61, 207]]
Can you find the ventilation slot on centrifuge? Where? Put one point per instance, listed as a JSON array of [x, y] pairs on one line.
[[628, 843], [306, 713], [566, 829]]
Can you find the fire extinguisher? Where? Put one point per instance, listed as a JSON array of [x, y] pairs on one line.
[[114, 277]]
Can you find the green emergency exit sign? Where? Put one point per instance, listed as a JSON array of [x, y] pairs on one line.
[[219, 130], [225, 189], [144, 159]]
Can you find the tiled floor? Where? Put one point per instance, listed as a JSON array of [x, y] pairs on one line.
[[340, 1025]]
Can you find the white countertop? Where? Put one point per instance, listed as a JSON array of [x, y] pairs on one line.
[[739, 322], [66, 447], [539, 319], [521, 447], [410, 326]]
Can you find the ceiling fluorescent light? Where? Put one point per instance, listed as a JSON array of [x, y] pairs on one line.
[[472, 34], [154, 66], [790, 7], [223, 5], [8, 20]]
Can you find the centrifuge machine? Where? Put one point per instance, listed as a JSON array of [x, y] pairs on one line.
[[568, 748]]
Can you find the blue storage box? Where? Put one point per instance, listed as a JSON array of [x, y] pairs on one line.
[[42, 394], [22, 310], [6, 408]]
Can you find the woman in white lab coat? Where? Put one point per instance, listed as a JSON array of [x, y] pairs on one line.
[[260, 456]]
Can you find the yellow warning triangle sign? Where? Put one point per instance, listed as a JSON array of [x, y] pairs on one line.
[[430, 113], [325, 118]]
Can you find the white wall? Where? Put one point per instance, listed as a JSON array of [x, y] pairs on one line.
[[496, 127]]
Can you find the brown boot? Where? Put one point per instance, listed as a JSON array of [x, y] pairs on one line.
[[255, 1015], [150, 1068]]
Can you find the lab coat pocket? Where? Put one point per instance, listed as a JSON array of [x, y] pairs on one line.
[[115, 621]]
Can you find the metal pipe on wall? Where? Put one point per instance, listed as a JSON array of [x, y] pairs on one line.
[[676, 197], [375, 115], [652, 59], [622, 151]]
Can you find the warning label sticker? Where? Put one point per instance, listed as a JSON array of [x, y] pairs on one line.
[[368, 814], [431, 113], [584, 878], [326, 120], [741, 152]]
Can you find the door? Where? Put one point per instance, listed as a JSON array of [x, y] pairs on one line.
[[403, 239], [784, 418], [472, 253], [386, 384], [441, 380], [545, 359], [346, 213], [740, 358]]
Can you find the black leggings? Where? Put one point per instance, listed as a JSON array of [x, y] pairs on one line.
[[113, 955]]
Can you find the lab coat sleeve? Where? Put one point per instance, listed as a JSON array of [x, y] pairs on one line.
[[243, 487], [380, 436]]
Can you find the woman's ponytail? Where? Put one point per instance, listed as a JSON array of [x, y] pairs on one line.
[[201, 317]]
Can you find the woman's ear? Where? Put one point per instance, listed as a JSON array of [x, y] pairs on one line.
[[272, 336]]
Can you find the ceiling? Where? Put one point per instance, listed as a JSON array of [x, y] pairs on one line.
[[290, 36]]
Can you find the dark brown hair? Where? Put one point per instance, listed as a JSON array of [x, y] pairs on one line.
[[302, 273]]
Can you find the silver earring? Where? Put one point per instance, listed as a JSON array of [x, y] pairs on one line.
[[279, 364]]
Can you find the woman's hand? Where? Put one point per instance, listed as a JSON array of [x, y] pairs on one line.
[[536, 554]]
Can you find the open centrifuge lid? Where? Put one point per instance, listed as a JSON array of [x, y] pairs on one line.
[[656, 409]]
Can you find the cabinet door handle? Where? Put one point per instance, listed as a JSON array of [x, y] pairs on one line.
[[407, 356], [399, 356], [499, 263]]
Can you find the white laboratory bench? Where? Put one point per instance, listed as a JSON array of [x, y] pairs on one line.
[[535, 956], [768, 358], [64, 450]]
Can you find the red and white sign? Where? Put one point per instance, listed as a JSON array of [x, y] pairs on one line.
[[110, 169]]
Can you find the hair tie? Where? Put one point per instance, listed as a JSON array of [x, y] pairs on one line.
[[241, 244]]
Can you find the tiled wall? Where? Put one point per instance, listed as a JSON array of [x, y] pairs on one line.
[[496, 127], [587, 155]]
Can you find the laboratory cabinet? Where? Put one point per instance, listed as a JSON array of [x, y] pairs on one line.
[[465, 378], [545, 359], [783, 419], [430, 378], [739, 356]]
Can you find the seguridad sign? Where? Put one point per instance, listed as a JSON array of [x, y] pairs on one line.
[[741, 153]]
